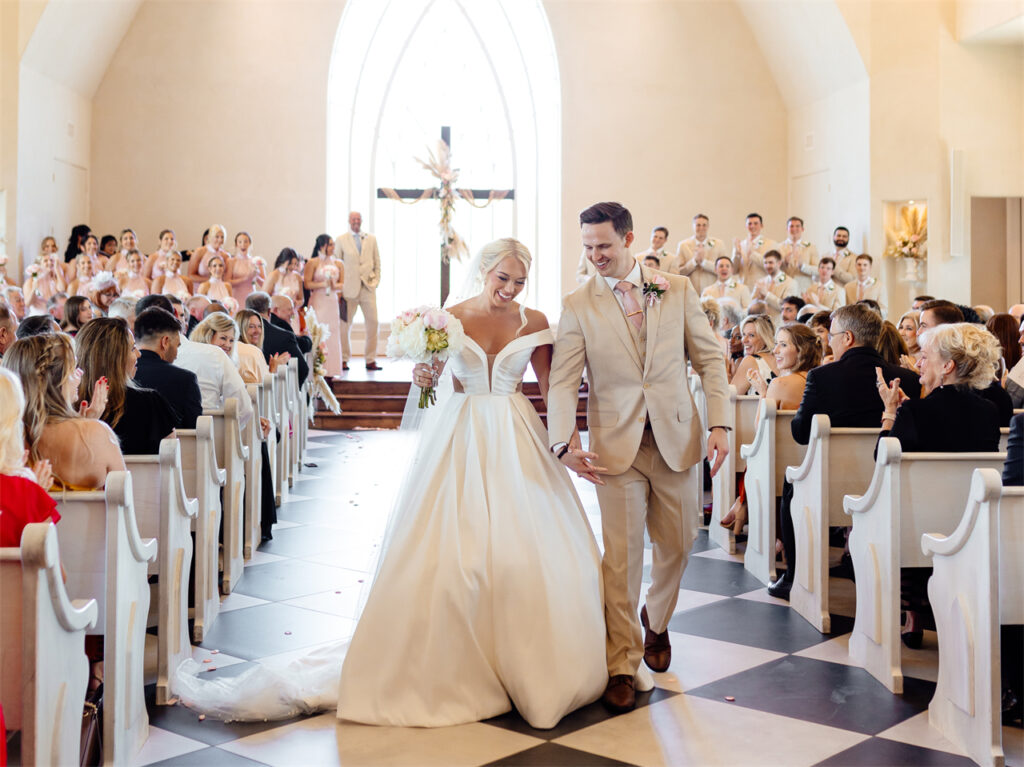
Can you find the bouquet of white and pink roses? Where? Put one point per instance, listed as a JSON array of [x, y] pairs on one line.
[[425, 334]]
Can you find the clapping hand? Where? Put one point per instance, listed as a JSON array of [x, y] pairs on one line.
[[99, 400], [891, 393], [276, 360], [757, 382], [908, 362]]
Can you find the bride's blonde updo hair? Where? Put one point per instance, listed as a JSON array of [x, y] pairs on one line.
[[493, 253]]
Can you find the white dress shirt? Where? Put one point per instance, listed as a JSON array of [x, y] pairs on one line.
[[218, 377]]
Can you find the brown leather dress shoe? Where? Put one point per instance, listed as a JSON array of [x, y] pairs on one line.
[[620, 694], [372, 366], [657, 649]]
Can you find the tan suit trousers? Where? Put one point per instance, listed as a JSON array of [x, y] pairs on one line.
[[367, 301], [648, 494]]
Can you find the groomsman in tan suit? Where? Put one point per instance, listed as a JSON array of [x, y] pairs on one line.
[[865, 286], [696, 256], [747, 253], [823, 292], [774, 286], [844, 257], [659, 236], [362, 276], [727, 286], [633, 329], [799, 257]]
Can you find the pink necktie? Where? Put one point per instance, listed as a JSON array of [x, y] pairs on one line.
[[634, 313]]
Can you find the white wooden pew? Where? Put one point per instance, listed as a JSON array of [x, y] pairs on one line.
[[740, 417], [837, 462], [231, 456], [43, 668], [252, 438], [106, 559], [909, 494], [767, 455], [977, 585], [203, 481], [299, 416], [284, 445], [268, 406], [165, 512]]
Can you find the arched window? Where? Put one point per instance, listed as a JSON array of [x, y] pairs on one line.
[[402, 69]]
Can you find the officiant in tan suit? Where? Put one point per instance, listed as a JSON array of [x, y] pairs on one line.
[[362, 276], [645, 432]]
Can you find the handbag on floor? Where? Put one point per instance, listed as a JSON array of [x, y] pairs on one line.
[[91, 750]]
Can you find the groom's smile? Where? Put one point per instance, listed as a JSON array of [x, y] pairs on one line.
[[607, 250]]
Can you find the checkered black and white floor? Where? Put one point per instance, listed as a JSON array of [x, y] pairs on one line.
[[751, 682]]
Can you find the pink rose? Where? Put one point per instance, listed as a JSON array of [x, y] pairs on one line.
[[913, 238], [660, 282], [436, 319]]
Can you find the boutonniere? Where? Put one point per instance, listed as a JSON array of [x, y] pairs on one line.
[[830, 286], [780, 278], [654, 289], [710, 242], [731, 283], [759, 241], [805, 244]]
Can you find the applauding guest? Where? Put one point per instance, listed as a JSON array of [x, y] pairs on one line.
[[276, 341], [824, 294], [1006, 330], [727, 286], [696, 256], [81, 449], [774, 286], [747, 253], [77, 311], [864, 286], [758, 335], [139, 417], [158, 335]]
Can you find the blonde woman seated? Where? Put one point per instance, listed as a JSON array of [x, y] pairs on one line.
[[797, 350], [907, 326], [252, 365], [758, 336], [81, 449]]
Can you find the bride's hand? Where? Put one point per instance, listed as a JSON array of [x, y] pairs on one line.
[[424, 375], [579, 461]]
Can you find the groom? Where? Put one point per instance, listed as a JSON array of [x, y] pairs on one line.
[[644, 431]]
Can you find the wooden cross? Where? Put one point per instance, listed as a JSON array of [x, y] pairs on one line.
[[421, 194]]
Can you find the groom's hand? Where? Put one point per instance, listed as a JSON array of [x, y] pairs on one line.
[[718, 448], [581, 462]]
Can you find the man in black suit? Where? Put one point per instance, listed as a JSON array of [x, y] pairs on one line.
[[276, 340], [157, 334], [845, 390], [281, 311]]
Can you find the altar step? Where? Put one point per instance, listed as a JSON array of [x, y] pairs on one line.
[[377, 404]]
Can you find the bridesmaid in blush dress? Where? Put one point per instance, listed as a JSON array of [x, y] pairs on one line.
[[131, 281], [286, 280], [156, 262], [171, 283], [324, 278], [246, 272], [215, 288], [214, 246]]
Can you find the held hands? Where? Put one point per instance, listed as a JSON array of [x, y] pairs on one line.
[[99, 400], [757, 382], [718, 448], [580, 461]]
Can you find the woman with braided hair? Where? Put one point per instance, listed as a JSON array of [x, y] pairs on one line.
[[81, 449]]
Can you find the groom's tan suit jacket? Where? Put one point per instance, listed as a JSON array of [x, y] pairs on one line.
[[629, 384]]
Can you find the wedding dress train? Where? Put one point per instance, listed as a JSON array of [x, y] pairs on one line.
[[488, 592]]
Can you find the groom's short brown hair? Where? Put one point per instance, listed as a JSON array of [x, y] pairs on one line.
[[621, 218]]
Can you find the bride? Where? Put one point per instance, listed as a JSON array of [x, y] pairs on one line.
[[488, 589]]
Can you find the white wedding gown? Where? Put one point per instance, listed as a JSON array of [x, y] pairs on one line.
[[488, 593]]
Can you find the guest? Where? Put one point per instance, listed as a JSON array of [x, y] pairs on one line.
[[985, 312], [219, 330], [774, 286], [276, 340], [758, 336], [891, 345], [103, 291], [1006, 330], [213, 242], [1015, 378], [124, 309], [75, 244], [1013, 469], [325, 280], [747, 253], [196, 307], [908, 332], [139, 417], [362, 276], [1012, 635], [659, 236], [1017, 312], [77, 311], [156, 262], [246, 272], [799, 256], [796, 352], [129, 278], [844, 390], [178, 308], [8, 328], [790, 308], [253, 366], [652, 262], [15, 301], [119, 261], [84, 272], [845, 258], [282, 315], [170, 282], [957, 362], [864, 285], [37, 325], [286, 280], [823, 292], [158, 334], [46, 277], [23, 495], [215, 289], [727, 286], [81, 449], [713, 311], [696, 256], [820, 322], [55, 306]]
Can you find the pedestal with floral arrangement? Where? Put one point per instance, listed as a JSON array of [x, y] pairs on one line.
[[908, 240], [318, 334]]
